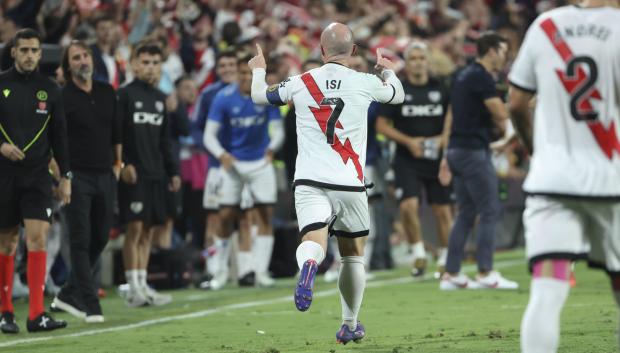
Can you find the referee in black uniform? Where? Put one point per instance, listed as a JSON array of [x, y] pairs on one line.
[[94, 130], [32, 126]]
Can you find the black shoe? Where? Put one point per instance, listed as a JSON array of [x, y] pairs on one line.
[[44, 322], [68, 304], [419, 268], [7, 323], [247, 280]]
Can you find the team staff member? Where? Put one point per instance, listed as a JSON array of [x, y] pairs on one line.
[[421, 127], [32, 126], [94, 130], [476, 111], [149, 169]]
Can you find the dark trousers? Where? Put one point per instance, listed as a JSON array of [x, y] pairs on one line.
[[89, 218], [476, 188]]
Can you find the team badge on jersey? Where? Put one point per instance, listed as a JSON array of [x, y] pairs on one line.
[[236, 110], [138, 105], [136, 207], [434, 96], [408, 97], [159, 105]]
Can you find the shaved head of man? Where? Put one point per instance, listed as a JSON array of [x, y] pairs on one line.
[[337, 42]]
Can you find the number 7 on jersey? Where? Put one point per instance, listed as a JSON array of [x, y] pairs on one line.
[[330, 131]]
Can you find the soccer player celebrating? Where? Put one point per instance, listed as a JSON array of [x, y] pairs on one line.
[[237, 133], [32, 125], [149, 169], [570, 60], [331, 104], [421, 128]]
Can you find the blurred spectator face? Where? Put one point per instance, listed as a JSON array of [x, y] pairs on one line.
[[27, 54], [105, 32], [358, 64], [7, 30], [310, 65], [148, 67], [416, 62], [245, 78], [80, 63], [187, 91], [227, 69], [499, 56]]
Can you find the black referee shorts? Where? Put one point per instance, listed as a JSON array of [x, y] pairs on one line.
[[25, 195], [144, 201], [409, 183]]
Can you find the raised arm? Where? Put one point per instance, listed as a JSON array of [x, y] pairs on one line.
[[390, 90]]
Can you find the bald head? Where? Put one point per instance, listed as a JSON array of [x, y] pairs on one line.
[[337, 41]]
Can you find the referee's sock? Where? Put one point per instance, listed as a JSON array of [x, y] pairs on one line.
[[6, 282], [36, 282]]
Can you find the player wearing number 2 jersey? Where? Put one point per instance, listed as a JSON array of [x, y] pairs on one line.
[[331, 104], [571, 60]]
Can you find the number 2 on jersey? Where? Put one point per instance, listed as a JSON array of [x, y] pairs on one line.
[[330, 131]]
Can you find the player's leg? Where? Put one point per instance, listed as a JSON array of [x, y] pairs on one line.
[[408, 186], [263, 190], [465, 218], [217, 246], [78, 216], [313, 214], [36, 209], [8, 245], [439, 199], [351, 227], [554, 234], [131, 260], [246, 275]]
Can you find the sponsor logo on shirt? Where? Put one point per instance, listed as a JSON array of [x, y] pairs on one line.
[[148, 118], [42, 108], [247, 121], [422, 110]]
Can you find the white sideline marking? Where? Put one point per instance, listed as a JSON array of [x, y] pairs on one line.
[[325, 293]]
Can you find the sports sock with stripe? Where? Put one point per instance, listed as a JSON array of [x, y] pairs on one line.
[[351, 283], [6, 282]]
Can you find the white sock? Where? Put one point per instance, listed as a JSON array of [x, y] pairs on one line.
[[132, 279], [351, 282], [442, 256], [417, 249], [309, 250], [263, 247], [244, 263], [215, 252], [540, 328], [142, 278]]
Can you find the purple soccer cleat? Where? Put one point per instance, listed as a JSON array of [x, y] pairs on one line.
[[303, 291], [345, 335]]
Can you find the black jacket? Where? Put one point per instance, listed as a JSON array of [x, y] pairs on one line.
[[93, 126], [146, 135], [33, 118]]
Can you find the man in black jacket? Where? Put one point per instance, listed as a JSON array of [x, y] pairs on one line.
[[94, 130], [149, 169], [32, 126]]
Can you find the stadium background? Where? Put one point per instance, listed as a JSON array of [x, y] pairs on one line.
[[289, 31]]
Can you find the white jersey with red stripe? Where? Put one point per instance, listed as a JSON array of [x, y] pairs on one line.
[[571, 58], [331, 103]]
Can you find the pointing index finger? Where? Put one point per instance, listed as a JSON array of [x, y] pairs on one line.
[[259, 50], [379, 57]]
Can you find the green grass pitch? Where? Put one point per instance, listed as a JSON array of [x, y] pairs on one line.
[[400, 316]]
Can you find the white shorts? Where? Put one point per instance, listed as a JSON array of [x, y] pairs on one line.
[[316, 206], [213, 184], [258, 176], [573, 229]]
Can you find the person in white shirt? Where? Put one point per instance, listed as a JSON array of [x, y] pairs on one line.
[[571, 60], [331, 104]]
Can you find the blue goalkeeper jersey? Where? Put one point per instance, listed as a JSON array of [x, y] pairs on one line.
[[244, 125]]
